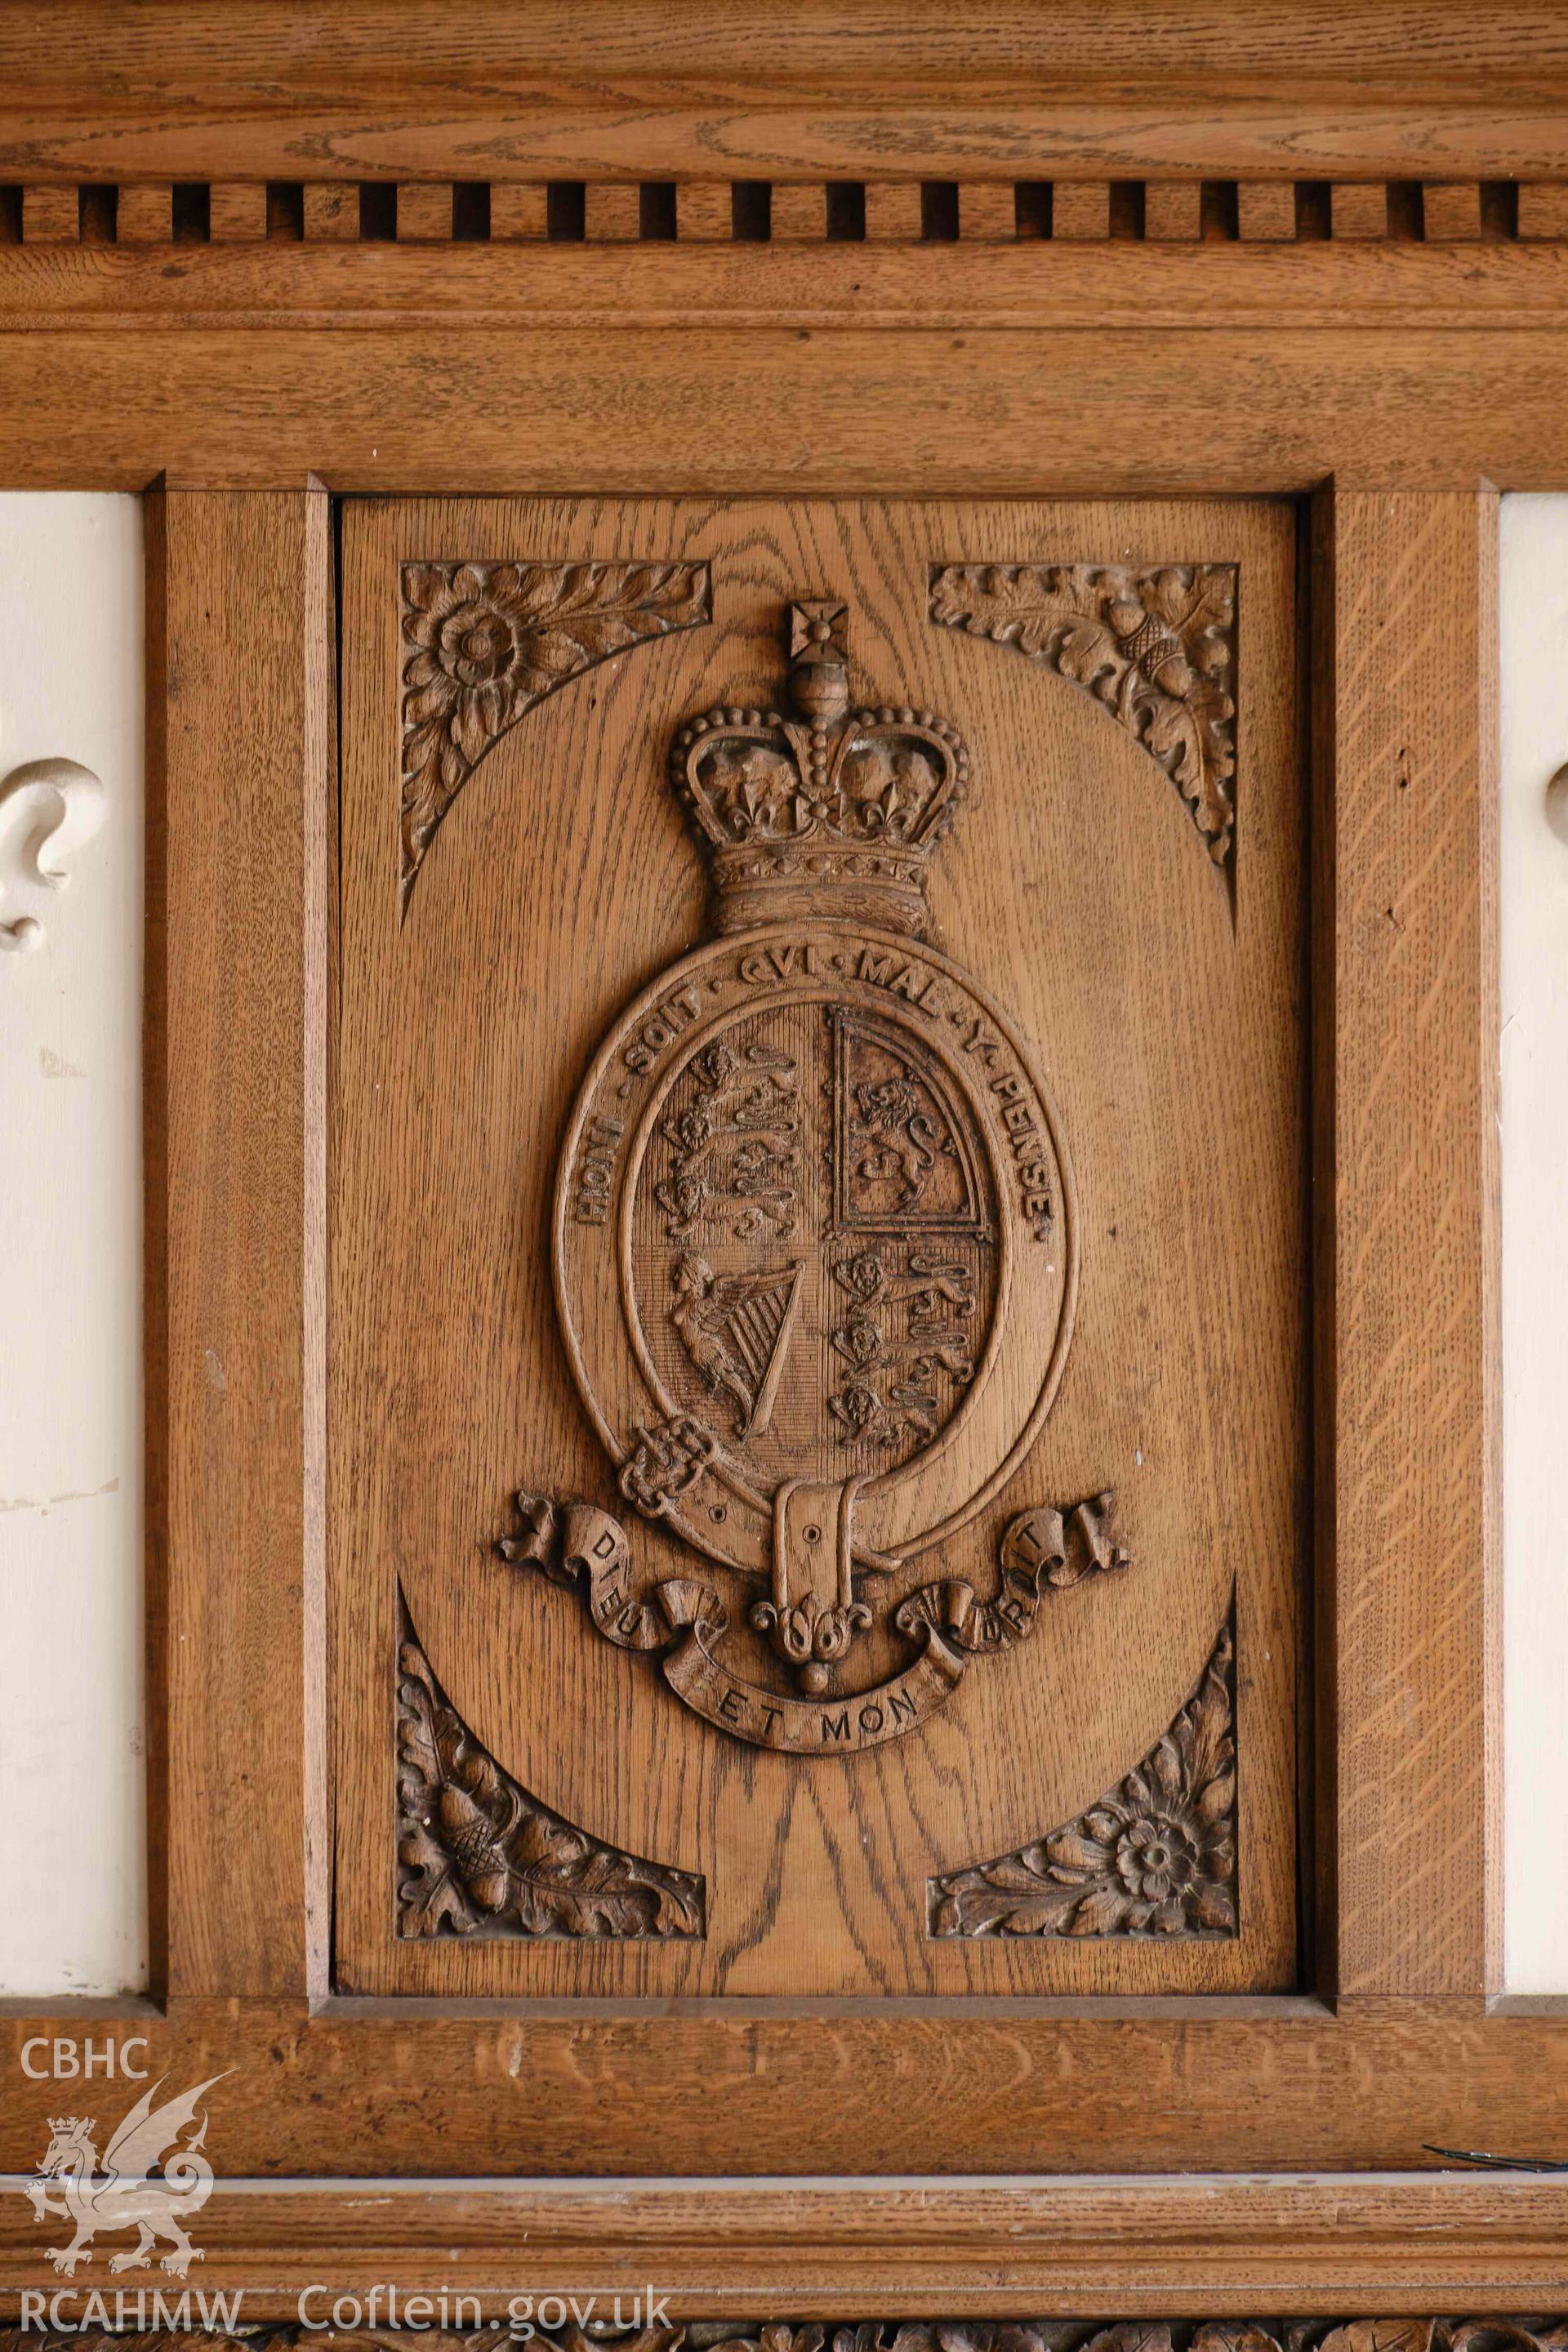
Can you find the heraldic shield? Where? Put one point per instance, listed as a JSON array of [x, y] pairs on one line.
[[815, 1244]]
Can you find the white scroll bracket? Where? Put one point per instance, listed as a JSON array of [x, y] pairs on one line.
[[49, 809]]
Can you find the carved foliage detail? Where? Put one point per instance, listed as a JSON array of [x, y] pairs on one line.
[[485, 642], [479, 1857], [1156, 648], [1156, 1856]]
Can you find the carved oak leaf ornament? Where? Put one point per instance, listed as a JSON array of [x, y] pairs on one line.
[[487, 641], [1156, 648], [1156, 1856], [480, 1856]]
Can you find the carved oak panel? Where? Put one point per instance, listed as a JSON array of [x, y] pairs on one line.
[[817, 1269]]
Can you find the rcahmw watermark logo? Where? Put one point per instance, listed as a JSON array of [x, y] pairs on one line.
[[150, 2179]]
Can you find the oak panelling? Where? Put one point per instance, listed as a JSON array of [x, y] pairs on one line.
[[1543, 210], [50, 215], [245, 627], [425, 212], [236, 212], [374, 2088], [447, 1350], [331, 211], [1265, 210], [987, 212], [798, 211], [194, 90], [893, 212], [520, 209], [704, 209], [1080, 209], [1172, 210], [1358, 210], [144, 214], [1201, 2242], [1411, 677], [612, 212], [736, 405], [1359, 286], [1452, 211]]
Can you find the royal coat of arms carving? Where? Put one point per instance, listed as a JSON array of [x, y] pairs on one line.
[[815, 1241]]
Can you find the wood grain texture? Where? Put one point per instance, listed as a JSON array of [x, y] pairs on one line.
[[520, 209], [1543, 210], [1202, 2241], [798, 213], [987, 212], [1172, 210], [245, 616], [893, 212], [1412, 1385], [1451, 212], [444, 1293], [1368, 286], [1080, 210], [144, 214], [1358, 210], [236, 212], [379, 2088], [186, 90], [424, 212], [612, 213], [736, 404], [1266, 209], [331, 211], [704, 210], [49, 216]]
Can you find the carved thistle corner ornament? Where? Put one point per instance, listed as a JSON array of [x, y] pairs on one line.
[[1155, 647], [479, 1857], [816, 1246], [485, 642], [1156, 1856]]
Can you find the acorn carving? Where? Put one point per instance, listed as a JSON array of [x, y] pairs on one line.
[[475, 1844]]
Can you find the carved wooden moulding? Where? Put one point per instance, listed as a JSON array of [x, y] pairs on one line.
[[477, 1856]]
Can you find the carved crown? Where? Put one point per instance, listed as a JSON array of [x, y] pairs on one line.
[[827, 812]]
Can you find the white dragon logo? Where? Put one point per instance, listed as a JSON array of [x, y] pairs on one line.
[[123, 2197]]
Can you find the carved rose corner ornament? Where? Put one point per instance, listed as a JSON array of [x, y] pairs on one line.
[[1155, 647], [479, 1856], [816, 1247], [485, 642], [1156, 1856]]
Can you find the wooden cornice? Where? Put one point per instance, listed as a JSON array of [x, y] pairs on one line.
[[729, 89]]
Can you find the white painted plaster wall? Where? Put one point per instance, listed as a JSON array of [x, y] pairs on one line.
[[72, 1835], [1534, 1050]]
